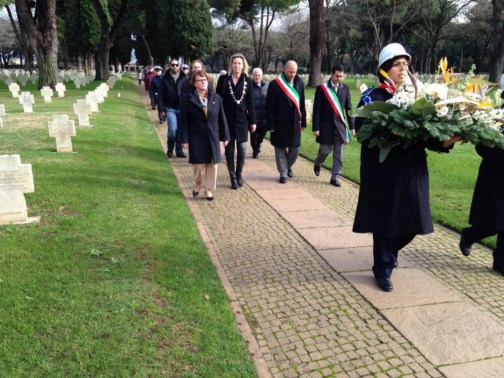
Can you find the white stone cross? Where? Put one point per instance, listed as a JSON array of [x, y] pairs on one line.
[[47, 93], [62, 129], [27, 100], [15, 180], [82, 109], [60, 88], [34, 78], [93, 98], [14, 89]]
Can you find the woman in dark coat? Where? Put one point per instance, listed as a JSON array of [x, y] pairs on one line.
[[394, 195], [238, 100], [203, 125], [487, 208]]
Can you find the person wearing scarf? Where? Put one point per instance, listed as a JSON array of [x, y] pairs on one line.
[[286, 118]]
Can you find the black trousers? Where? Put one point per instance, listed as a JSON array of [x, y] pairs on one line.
[[257, 137], [474, 234], [229, 151], [385, 253]]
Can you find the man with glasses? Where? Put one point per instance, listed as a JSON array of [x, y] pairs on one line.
[[332, 124], [169, 100]]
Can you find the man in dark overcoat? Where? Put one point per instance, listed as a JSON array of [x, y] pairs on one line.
[[286, 118], [332, 122], [487, 208]]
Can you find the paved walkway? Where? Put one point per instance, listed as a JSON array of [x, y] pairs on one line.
[[305, 299]]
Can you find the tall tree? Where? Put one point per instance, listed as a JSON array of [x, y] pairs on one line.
[[40, 28], [110, 13], [316, 41], [497, 53], [23, 39], [258, 15]]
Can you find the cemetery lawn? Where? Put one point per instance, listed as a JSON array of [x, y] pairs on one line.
[[452, 175], [115, 279]]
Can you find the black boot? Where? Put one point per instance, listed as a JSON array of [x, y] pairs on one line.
[[239, 179], [234, 183]]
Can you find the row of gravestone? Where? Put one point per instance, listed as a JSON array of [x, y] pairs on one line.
[[79, 78], [17, 178]]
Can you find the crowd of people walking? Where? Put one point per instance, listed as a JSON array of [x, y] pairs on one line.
[[393, 203]]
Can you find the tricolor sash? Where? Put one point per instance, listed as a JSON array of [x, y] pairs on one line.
[[290, 92], [336, 106]]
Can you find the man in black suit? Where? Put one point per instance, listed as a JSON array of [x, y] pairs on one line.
[[286, 117], [332, 124]]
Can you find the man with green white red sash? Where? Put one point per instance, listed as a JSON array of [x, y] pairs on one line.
[[286, 118], [332, 124]]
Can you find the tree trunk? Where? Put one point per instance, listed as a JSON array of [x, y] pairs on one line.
[[497, 54], [47, 43], [316, 41], [102, 59]]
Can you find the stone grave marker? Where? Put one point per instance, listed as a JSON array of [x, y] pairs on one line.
[[309, 110], [34, 78], [2, 114], [23, 78], [111, 81], [14, 89], [60, 88], [82, 109], [62, 128], [358, 84], [15, 180], [92, 99], [47, 93], [27, 100], [104, 89]]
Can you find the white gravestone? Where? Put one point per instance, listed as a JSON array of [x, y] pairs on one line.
[[2, 110], [60, 88], [47, 93], [82, 109], [15, 180], [309, 110], [34, 78], [62, 129], [27, 100], [93, 99], [14, 89]]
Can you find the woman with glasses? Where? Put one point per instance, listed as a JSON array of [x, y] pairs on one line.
[[238, 100], [202, 126]]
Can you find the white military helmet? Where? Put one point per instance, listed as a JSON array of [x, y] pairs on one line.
[[391, 51]]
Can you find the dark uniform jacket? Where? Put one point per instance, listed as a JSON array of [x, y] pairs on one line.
[[170, 91], [283, 117], [203, 133], [394, 195], [487, 208], [239, 116], [325, 119]]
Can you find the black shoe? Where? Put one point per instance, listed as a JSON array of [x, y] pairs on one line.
[[283, 180], [194, 194], [290, 174], [255, 154], [464, 245], [169, 154], [316, 170], [239, 180], [234, 183], [335, 182], [181, 155], [385, 284], [160, 121]]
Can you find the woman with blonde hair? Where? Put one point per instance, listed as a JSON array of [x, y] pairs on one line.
[[202, 125], [235, 89]]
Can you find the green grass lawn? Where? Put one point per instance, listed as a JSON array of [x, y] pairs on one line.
[[115, 279], [452, 176]]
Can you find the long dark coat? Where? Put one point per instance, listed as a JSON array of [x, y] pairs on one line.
[[487, 208], [394, 195], [325, 119], [203, 133], [282, 116], [238, 116]]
